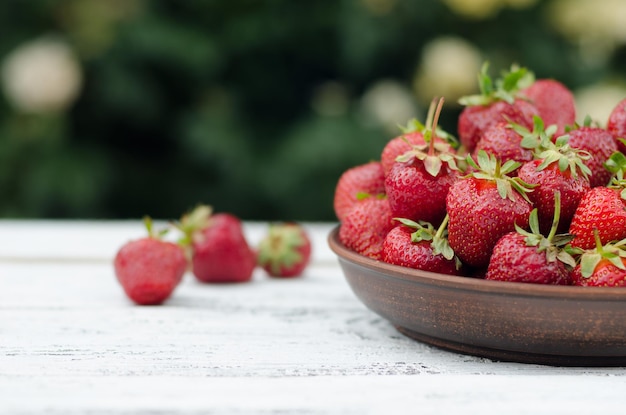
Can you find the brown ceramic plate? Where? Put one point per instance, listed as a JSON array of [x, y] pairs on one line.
[[529, 323]]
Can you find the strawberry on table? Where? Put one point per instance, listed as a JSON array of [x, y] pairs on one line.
[[418, 182], [602, 266], [285, 251], [498, 101], [557, 167], [554, 102], [355, 183], [483, 207], [365, 227], [149, 269], [421, 246], [531, 257], [219, 250]]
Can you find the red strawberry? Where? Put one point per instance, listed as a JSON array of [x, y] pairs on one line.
[[600, 144], [603, 266], [504, 142], [364, 229], [484, 207], [530, 257], [616, 124], [420, 246], [149, 269], [497, 103], [285, 251], [554, 102], [219, 250], [557, 168], [418, 183], [356, 182]]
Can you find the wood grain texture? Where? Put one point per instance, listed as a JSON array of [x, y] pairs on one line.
[[70, 342]]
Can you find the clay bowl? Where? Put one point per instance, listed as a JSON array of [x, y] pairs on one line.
[[528, 323]]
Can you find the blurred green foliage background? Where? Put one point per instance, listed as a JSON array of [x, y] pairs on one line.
[[119, 108]]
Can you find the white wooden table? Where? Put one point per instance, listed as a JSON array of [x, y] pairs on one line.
[[71, 343]]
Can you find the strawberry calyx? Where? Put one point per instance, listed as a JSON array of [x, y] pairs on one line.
[[540, 141], [425, 231], [553, 245], [192, 222], [613, 252], [616, 164], [433, 153], [488, 167], [281, 247], [506, 88], [152, 233]]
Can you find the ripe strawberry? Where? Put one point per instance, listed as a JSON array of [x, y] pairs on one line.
[[285, 251], [356, 182], [420, 246], [364, 229], [603, 209], [504, 143], [483, 207], [616, 124], [602, 266], [530, 257], [497, 102], [149, 269], [554, 102], [219, 250], [600, 144], [557, 168], [418, 183]]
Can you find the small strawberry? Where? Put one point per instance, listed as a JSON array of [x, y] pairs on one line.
[[600, 144], [530, 257], [603, 266], [485, 206], [557, 168], [497, 102], [420, 246], [554, 102], [603, 209], [365, 227], [616, 125], [219, 250], [504, 143], [149, 269], [285, 251], [355, 183], [418, 182]]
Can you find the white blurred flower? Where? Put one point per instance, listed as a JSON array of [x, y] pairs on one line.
[[388, 103], [598, 101], [448, 68], [41, 76], [474, 9]]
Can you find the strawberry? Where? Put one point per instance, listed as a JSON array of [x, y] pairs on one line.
[[365, 227], [285, 251], [530, 257], [420, 246], [557, 168], [554, 102], [600, 144], [603, 209], [219, 250], [485, 206], [357, 182], [616, 124], [418, 183], [602, 266], [497, 102], [504, 142], [149, 268]]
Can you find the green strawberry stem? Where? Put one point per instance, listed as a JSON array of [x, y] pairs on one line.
[[152, 233]]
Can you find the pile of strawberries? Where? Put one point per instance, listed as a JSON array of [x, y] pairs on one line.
[[525, 194], [214, 248]]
